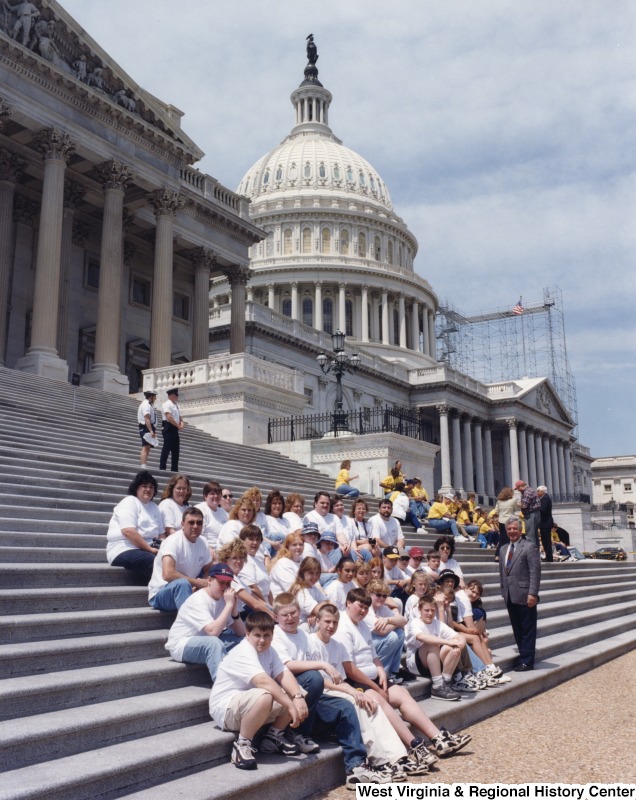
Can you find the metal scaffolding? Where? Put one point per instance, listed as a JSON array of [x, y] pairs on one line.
[[505, 345]]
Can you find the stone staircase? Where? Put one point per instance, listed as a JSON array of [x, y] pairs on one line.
[[90, 703]]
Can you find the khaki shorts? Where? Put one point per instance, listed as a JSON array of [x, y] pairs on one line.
[[240, 704]]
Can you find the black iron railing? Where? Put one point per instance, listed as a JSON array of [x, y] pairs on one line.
[[375, 420]]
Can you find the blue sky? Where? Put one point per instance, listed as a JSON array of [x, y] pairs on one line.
[[504, 130]]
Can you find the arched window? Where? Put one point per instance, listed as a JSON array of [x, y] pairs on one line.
[[306, 240], [400, 257], [361, 179], [307, 170], [349, 175], [308, 311], [344, 242], [396, 326], [266, 178], [279, 172], [369, 320], [372, 183], [287, 242], [286, 307], [362, 245], [348, 318], [336, 172], [377, 246], [389, 254], [380, 331], [322, 172], [327, 315], [326, 240]]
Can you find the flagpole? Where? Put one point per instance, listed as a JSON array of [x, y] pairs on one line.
[[523, 340]]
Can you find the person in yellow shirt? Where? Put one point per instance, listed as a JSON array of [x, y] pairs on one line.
[[440, 517], [343, 478]]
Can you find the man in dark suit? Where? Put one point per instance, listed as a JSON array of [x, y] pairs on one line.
[[520, 575], [545, 521]]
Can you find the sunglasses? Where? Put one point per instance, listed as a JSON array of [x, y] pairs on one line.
[[379, 594], [228, 496]]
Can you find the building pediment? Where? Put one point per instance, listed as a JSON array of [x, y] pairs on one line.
[[539, 394], [44, 36]]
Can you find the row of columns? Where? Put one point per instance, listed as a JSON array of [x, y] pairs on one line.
[[422, 318], [530, 455], [53, 254]]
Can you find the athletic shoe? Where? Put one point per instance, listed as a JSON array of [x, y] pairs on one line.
[[396, 680], [422, 753], [456, 740], [441, 746], [303, 743], [243, 755], [486, 680], [493, 669], [444, 692], [461, 684], [412, 766], [363, 773], [461, 538], [478, 680], [395, 772], [276, 742]]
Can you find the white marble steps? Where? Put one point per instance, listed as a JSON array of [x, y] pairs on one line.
[[72, 599], [52, 554]]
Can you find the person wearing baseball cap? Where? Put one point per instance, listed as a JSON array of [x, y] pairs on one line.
[[416, 556], [393, 575], [208, 624]]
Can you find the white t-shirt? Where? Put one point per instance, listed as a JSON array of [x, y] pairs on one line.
[[277, 525], [400, 506], [173, 409], [453, 564], [145, 518], [394, 574], [326, 564], [310, 550], [255, 574], [349, 529], [337, 592], [357, 641], [198, 611], [190, 558], [463, 604], [333, 653], [146, 408], [361, 529], [230, 531], [235, 674], [308, 599], [390, 530], [411, 610], [295, 522], [329, 522], [372, 616], [172, 513], [213, 521], [417, 625], [282, 576], [292, 646]]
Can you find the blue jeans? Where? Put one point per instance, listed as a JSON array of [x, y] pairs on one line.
[[137, 561], [476, 662], [172, 596], [312, 682], [339, 717], [348, 491], [389, 649], [443, 525], [210, 650]]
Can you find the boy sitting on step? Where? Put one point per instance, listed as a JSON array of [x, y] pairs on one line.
[[252, 689]]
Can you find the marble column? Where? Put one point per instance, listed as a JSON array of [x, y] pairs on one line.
[[547, 466], [569, 477], [73, 195], [237, 278], [426, 345], [318, 323], [554, 466], [523, 455], [203, 261], [402, 321], [514, 450], [538, 451], [10, 170], [375, 318], [106, 373], [431, 333], [490, 472], [342, 307], [165, 203], [458, 477], [294, 300], [415, 325], [561, 462], [480, 485], [443, 411], [42, 357], [386, 333], [505, 443], [532, 461], [467, 438], [364, 312], [271, 298]]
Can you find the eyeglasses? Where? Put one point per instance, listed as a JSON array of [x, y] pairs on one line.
[[227, 496], [380, 594], [445, 547]]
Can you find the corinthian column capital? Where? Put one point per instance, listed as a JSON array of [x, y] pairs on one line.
[[165, 202], [5, 112], [202, 258], [10, 166], [115, 175], [238, 274], [53, 143]]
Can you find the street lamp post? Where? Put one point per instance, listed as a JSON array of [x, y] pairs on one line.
[[613, 507], [339, 363]]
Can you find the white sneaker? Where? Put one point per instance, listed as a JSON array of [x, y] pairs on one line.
[[460, 684]]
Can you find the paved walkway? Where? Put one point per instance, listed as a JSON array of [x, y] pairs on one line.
[[583, 731]]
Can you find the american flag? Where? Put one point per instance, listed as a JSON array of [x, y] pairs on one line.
[[518, 309]]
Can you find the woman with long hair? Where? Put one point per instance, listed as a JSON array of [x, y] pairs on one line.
[[306, 589], [284, 566], [277, 526]]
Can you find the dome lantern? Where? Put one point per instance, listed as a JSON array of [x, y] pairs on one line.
[[311, 100]]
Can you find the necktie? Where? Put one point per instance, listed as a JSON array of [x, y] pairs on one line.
[[511, 551]]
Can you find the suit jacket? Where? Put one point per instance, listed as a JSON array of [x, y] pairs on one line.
[[524, 575], [546, 512]]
